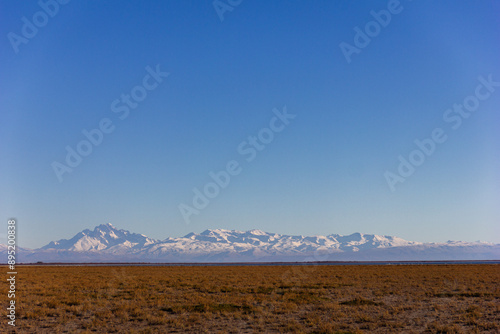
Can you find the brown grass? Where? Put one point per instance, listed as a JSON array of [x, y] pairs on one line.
[[265, 299]]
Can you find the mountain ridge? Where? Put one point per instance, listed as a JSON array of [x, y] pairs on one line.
[[107, 243]]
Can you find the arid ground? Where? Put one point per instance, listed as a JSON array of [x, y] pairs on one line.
[[257, 299]]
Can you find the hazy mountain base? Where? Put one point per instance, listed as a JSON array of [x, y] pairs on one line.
[[406, 253]]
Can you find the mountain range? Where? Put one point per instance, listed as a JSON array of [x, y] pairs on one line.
[[106, 243]]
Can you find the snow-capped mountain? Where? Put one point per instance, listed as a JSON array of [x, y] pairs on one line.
[[262, 243], [109, 244], [103, 237]]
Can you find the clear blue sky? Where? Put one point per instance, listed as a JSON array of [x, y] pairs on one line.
[[322, 174]]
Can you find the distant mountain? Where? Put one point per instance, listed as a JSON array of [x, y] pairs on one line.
[[109, 244], [103, 237]]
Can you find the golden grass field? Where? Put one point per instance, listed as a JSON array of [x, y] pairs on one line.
[[257, 299]]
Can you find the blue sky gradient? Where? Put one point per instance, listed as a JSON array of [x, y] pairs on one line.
[[323, 174]]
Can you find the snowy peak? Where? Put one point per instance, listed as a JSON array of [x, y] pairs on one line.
[[103, 237], [232, 236]]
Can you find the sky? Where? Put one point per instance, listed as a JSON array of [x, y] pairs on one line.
[[293, 117]]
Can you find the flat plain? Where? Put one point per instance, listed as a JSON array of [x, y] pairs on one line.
[[257, 299]]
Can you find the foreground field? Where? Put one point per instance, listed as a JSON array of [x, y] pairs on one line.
[[267, 299]]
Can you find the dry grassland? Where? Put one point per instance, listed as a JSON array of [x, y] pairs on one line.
[[257, 299]]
